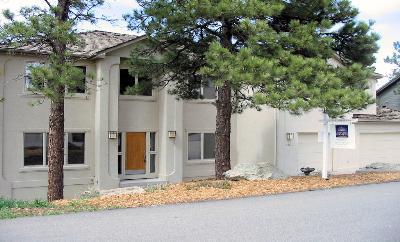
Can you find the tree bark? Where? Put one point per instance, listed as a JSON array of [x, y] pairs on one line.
[[55, 155], [56, 151], [223, 131]]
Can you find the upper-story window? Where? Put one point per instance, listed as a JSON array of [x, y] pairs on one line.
[[79, 88], [80, 84], [207, 90], [28, 74], [134, 85]]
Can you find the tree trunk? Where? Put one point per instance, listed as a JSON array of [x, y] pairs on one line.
[[223, 131], [55, 154], [56, 151]]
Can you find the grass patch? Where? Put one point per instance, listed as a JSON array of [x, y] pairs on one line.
[[9, 208], [12, 203], [209, 184], [155, 188]]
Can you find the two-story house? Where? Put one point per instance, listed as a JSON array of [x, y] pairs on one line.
[[114, 140]]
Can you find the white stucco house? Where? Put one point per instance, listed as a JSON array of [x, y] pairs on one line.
[[160, 139]]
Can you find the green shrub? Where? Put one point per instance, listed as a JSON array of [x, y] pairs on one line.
[[207, 183]]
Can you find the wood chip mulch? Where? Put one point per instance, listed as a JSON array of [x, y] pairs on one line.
[[217, 190]]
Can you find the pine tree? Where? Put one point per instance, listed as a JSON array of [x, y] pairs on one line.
[[395, 59], [274, 53], [52, 30]]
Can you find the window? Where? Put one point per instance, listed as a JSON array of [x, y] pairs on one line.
[[207, 90], [35, 149], [76, 148], [28, 74], [120, 153], [134, 85], [80, 86], [152, 152], [201, 146]]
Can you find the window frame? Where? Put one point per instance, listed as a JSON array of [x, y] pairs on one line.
[[75, 94], [202, 159], [124, 96], [202, 92], [42, 63], [45, 148], [27, 75]]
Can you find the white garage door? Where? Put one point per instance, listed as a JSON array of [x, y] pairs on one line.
[[309, 152], [379, 147]]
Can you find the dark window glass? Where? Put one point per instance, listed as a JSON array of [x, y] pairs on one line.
[[81, 84], [194, 146], [119, 164], [209, 146], [152, 141], [33, 149], [125, 81], [152, 163], [119, 142], [145, 86], [76, 148]]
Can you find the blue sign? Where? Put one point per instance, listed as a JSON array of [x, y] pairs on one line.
[[342, 131]]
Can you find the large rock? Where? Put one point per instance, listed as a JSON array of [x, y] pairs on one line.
[[258, 171]]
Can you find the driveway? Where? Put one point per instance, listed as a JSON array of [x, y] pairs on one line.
[[362, 213]]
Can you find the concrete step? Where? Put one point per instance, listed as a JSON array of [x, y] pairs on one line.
[[142, 182]]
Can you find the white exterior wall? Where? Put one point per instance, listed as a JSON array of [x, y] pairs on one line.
[[374, 142], [256, 136], [19, 116], [198, 117]]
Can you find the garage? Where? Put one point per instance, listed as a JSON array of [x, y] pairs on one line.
[[379, 147]]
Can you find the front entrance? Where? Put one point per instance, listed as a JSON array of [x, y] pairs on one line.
[[135, 158], [137, 155]]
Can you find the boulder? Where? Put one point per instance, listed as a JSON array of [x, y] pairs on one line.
[[251, 171]]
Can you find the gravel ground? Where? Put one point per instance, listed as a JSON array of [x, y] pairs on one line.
[[207, 190], [217, 190]]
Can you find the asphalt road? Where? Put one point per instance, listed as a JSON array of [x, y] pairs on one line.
[[362, 213]]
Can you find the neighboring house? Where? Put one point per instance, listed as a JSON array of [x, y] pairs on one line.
[[388, 96], [160, 139]]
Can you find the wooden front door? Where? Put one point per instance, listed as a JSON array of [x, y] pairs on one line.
[[135, 151]]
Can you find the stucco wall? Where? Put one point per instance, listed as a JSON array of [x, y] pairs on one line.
[[20, 116]]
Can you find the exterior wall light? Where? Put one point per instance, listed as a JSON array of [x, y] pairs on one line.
[[112, 134], [289, 136], [172, 134]]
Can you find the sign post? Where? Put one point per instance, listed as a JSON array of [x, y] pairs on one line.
[[325, 147]]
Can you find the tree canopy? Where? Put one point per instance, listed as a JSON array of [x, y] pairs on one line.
[[271, 52], [395, 59]]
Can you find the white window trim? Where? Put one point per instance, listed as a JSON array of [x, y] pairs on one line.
[[27, 93], [201, 160], [25, 90], [66, 166]]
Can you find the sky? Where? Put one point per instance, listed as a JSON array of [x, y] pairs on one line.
[[385, 13]]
